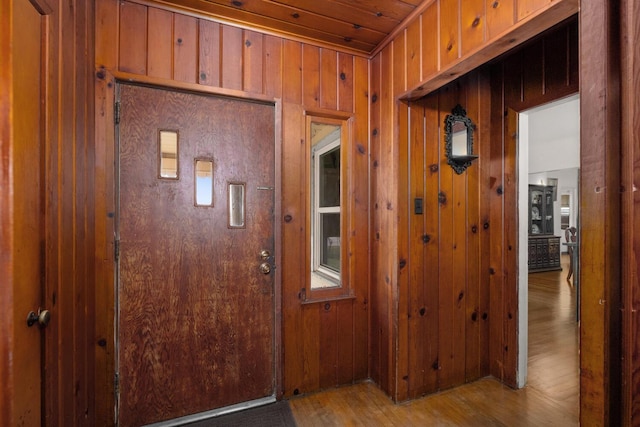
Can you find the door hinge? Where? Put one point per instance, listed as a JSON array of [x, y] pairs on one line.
[[116, 250], [116, 112], [116, 384]]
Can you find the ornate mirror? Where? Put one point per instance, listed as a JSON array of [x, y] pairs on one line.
[[459, 139]]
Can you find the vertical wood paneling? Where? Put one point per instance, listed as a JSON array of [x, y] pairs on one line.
[[599, 214], [231, 58], [209, 53], [273, 66], [510, 311], [295, 365], [310, 76], [344, 342], [360, 177], [314, 334], [133, 38], [449, 32], [431, 258], [414, 53], [500, 16], [430, 37], [399, 76], [253, 58], [346, 82], [107, 32], [495, 228], [326, 328], [630, 29], [472, 25], [556, 60], [447, 357], [328, 79], [292, 74], [403, 257], [185, 48], [527, 7], [160, 52], [473, 341], [533, 72], [416, 266]]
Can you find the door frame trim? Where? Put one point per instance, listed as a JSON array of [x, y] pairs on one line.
[[105, 208]]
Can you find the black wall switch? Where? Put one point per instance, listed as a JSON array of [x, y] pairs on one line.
[[417, 206]]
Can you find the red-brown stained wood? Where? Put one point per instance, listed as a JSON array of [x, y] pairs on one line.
[[495, 227], [293, 269], [231, 58], [447, 357], [209, 53], [527, 7], [133, 38], [510, 190], [430, 47], [403, 257], [344, 337], [418, 340], [533, 72], [414, 53], [630, 105], [431, 241], [500, 16], [556, 60], [360, 211], [273, 66], [327, 343], [106, 32], [160, 51], [599, 215], [311, 339], [185, 48], [328, 79], [399, 75], [310, 76], [253, 57], [472, 25], [374, 216], [292, 72], [449, 46], [346, 79]]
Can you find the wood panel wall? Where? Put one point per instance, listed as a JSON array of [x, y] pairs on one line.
[[630, 127], [448, 38], [445, 308], [324, 343], [67, 237]]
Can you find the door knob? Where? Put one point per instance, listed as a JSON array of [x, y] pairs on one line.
[[265, 268], [42, 318]]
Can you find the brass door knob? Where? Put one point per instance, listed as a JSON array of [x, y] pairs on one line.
[[43, 317], [265, 268]]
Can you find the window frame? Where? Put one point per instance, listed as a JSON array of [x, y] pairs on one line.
[[343, 288]]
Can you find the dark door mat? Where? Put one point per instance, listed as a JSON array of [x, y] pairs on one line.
[[273, 415]]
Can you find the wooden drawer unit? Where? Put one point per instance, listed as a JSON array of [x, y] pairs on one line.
[[544, 253]]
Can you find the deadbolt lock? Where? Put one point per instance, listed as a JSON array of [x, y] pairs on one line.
[[264, 254], [265, 268]]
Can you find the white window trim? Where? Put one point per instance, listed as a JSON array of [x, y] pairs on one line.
[[330, 143]]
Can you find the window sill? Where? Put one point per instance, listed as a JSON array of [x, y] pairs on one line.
[[321, 299]]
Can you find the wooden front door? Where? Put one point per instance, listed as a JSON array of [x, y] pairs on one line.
[[195, 300]]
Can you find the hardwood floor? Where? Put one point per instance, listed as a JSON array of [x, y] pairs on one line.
[[549, 399]]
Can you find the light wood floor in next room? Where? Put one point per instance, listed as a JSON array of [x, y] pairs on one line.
[[551, 397]]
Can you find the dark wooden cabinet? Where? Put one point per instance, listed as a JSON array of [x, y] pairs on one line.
[[541, 209], [544, 247], [544, 253]]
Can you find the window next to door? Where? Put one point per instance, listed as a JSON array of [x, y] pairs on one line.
[[327, 142]]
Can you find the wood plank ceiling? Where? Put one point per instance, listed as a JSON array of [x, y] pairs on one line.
[[354, 25]]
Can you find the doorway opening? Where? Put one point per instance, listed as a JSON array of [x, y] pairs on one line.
[[549, 138]]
